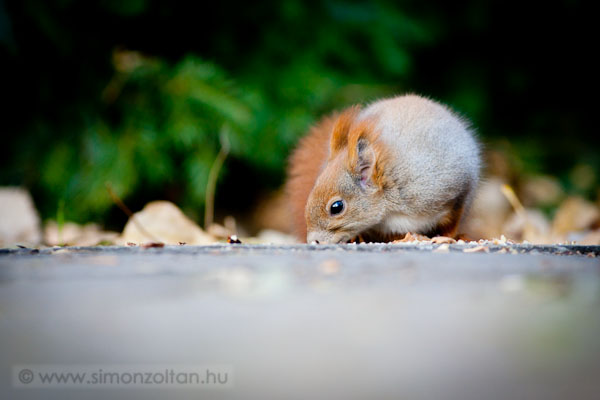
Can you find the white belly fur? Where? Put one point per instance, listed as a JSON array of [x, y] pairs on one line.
[[403, 223]]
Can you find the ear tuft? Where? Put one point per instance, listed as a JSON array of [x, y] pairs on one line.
[[367, 155], [341, 129]]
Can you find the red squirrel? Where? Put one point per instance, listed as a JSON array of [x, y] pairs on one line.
[[399, 165]]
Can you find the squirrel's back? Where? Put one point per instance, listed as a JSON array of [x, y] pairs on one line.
[[434, 149]]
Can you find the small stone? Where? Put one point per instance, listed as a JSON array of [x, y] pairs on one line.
[[477, 249], [443, 248]]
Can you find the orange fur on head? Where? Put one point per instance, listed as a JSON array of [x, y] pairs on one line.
[[332, 135], [347, 133], [343, 124], [306, 163]]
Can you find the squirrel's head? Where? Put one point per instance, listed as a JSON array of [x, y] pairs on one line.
[[346, 199]]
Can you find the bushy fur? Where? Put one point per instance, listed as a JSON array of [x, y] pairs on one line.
[[401, 164]]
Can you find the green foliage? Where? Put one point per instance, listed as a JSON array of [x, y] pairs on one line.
[[159, 126], [136, 93]]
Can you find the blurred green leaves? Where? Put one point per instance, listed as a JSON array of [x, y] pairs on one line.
[[159, 125], [137, 92], [149, 121]]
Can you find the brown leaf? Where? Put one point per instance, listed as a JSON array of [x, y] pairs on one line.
[[164, 222], [575, 214], [590, 239]]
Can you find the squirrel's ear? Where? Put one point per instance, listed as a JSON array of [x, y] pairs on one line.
[[365, 162], [363, 152]]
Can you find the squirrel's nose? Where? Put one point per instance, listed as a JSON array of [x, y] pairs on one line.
[[314, 237], [318, 237]]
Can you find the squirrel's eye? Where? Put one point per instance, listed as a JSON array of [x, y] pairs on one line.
[[337, 207]]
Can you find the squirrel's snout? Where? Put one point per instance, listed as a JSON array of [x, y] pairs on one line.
[[313, 237], [325, 237], [318, 237]]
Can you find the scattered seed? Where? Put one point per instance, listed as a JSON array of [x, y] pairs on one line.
[[233, 239]]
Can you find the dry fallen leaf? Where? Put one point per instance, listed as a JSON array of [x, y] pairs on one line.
[[592, 238], [220, 231], [540, 190], [165, 222], [489, 211], [77, 235], [575, 214], [529, 225], [412, 237]]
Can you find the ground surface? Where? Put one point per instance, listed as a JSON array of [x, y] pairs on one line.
[[348, 321]]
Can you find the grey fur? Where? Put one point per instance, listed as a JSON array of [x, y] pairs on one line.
[[435, 164]]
